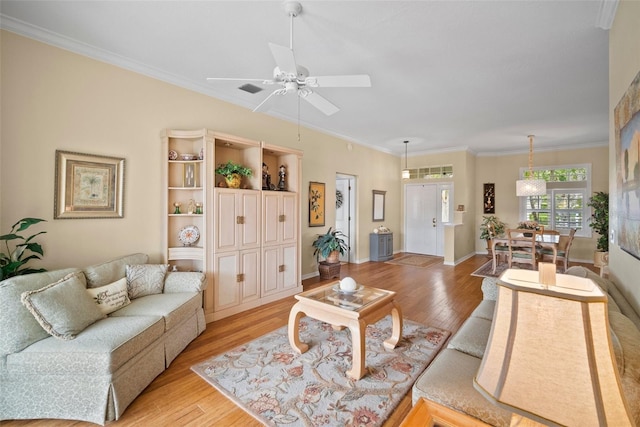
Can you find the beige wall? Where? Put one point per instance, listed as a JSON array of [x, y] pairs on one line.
[[504, 171], [53, 99], [624, 64]]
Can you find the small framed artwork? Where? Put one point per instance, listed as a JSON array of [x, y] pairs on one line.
[[88, 186], [316, 204], [378, 205], [489, 198]]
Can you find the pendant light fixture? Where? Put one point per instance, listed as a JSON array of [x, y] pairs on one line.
[[405, 172], [530, 186]]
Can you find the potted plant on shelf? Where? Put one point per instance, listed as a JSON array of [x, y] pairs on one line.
[[491, 226], [233, 173], [12, 261], [599, 222], [330, 245]]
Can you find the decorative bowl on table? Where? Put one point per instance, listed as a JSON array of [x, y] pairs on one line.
[[187, 156]]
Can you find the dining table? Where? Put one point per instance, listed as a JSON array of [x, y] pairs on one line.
[[548, 239]]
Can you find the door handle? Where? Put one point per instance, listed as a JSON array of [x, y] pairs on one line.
[[433, 221]]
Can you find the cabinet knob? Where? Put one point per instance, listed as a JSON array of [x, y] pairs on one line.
[[281, 218], [239, 219], [281, 268], [240, 277]]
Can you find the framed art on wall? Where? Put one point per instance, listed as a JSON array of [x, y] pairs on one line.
[[88, 186], [378, 205], [489, 198], [316, 204], [627, 135]]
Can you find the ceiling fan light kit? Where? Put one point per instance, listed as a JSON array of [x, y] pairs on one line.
[[294, 78]]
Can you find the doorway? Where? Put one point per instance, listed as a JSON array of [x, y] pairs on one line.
[[427, 209], [346, 212]]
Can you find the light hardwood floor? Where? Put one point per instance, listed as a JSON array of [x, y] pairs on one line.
[[440, 295]]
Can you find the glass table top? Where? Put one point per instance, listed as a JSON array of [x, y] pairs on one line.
[[332, 295]]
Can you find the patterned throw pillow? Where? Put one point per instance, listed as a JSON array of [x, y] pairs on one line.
[[145, 279], [111, 297], [64, 308]]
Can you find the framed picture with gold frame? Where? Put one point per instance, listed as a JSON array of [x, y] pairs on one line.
[[88, 186], [316, 204]]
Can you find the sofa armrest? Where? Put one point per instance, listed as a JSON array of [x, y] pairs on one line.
[[182, 281], [489, 288]]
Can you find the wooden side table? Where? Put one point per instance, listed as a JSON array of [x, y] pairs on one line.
[[431, 414], [329, 270]]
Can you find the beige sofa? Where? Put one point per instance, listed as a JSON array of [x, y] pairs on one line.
[[449, 379], [51, 367]]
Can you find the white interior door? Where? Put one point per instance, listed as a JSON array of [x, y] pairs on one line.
[[345, 212], [422, 219]]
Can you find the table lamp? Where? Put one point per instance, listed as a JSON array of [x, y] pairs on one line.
[[549, 357]]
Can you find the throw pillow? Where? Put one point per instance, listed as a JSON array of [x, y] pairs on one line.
[[111, 297], [145, 279], [63, 308]]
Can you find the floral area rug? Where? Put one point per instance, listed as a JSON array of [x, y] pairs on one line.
[[415, 260], [278, 386]]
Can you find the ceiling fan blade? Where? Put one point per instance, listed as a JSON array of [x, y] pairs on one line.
[[263, 81], [284, 59], [266, 103], [356, 80], [320, 103]]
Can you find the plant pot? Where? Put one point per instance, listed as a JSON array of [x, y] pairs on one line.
[[333, 257], [600, 258], [233, 180]]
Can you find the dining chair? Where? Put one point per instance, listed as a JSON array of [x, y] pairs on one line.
[[501, 251], [564, 246], [522, 248]]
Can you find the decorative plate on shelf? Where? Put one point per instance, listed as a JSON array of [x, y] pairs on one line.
[[189, 235], [173, 155]]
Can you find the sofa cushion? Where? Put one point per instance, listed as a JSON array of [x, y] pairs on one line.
[[485, 309], [449, 381], [174, 308], [111, 297], [98, 350], [145, 279], [110, 271], [63, 308], [184, 281], [13, 312], [472, 337], [489, 288]]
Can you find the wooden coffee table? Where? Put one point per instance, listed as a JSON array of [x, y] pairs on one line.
[[354, 310]]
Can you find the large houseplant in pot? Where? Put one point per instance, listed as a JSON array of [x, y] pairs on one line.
[[13, 260], [490, 227], [599, 222], [233, 173], [330, 246]]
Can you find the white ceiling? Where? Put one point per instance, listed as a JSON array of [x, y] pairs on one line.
[[446, 75]]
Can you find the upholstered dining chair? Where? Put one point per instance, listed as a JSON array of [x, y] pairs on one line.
[[522, 248], [564, 246]]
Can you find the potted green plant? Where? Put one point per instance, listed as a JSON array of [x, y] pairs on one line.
[[233, 173], [12, 262], [330, 246], [491, 226], [599, 222]]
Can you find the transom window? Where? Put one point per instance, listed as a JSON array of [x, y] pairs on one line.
[[565, 204], [432, 172]]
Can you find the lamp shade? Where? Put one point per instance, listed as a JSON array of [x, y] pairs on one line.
[[549, 354], [531, 187], [406, 174]]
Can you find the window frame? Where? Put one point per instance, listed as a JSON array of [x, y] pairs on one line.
[[553, 187]]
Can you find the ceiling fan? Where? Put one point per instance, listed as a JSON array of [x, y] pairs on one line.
[[294, 78]]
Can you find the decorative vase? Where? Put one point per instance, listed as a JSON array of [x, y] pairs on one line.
[[333, 257], [233, 180]]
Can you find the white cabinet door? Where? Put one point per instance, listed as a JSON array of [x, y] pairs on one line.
[[237, 219], [236, 278], [271, 215], [290, 263], [290, 218], [279, 268]]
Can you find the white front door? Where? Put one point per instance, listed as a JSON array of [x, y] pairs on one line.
[[345, 212], [421, 219]]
